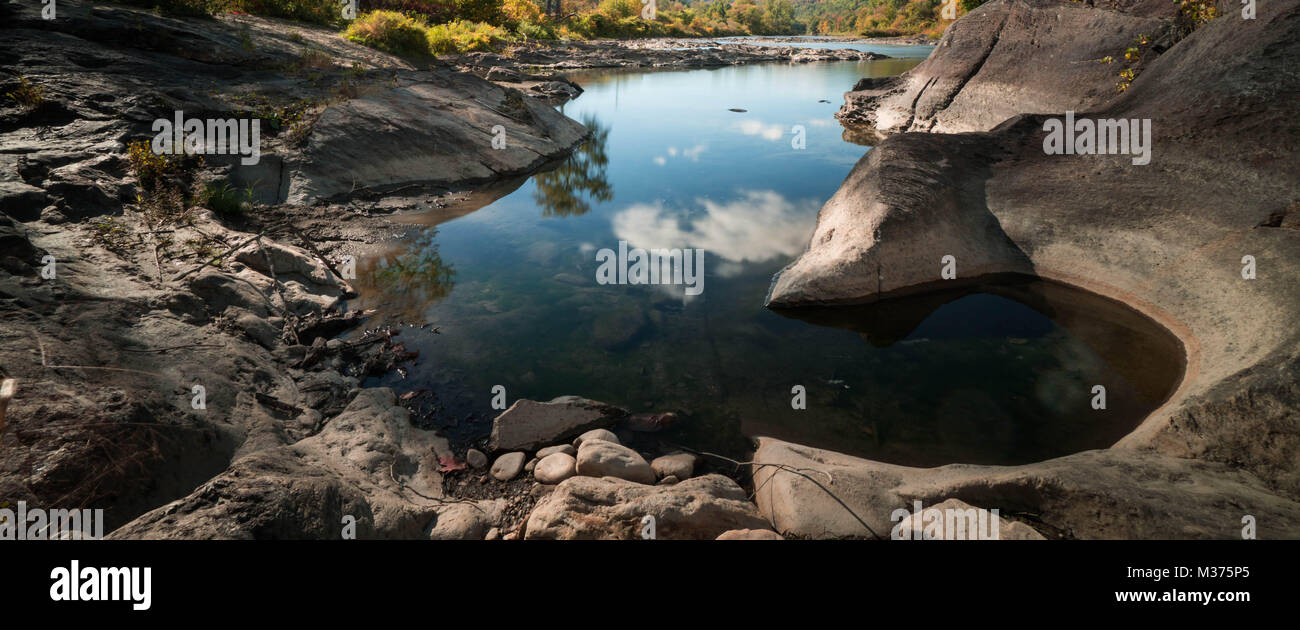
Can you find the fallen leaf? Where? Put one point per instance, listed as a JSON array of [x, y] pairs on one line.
[[450, 464]]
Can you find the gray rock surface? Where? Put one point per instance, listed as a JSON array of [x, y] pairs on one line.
[[368, 463]]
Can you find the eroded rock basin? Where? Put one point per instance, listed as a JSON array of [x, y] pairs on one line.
[[997, 370]]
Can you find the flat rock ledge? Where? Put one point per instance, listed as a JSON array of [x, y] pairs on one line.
[[1110, 494], [1167, 239]]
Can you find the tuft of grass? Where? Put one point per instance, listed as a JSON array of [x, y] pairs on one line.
[[149, 168], [225, 200], [29, 95], [113, 235]]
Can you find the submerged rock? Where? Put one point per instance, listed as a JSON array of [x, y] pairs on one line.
[[528, 425]]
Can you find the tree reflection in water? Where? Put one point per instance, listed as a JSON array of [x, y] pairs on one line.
[[565, 190], [414, 279]]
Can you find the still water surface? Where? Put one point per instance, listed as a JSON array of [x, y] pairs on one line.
[[1000, 374]]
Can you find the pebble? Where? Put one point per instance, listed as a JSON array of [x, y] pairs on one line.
[[476, 458], [567, 449], [508, 466]]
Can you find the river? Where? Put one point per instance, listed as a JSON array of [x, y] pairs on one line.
[[998, 376]]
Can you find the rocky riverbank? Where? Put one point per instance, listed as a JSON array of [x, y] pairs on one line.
[[1204, 240], [170, 322]]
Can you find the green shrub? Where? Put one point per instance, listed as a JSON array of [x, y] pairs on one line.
[[535, 30], [389, 31], [464, 36], [619, 9]]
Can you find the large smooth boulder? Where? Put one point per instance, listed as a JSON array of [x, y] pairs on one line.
[[598, 458], [608, 508], [528, 425]]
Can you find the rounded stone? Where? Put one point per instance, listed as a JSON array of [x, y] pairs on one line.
[[508, 466], [555, 468], [596, 434]]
